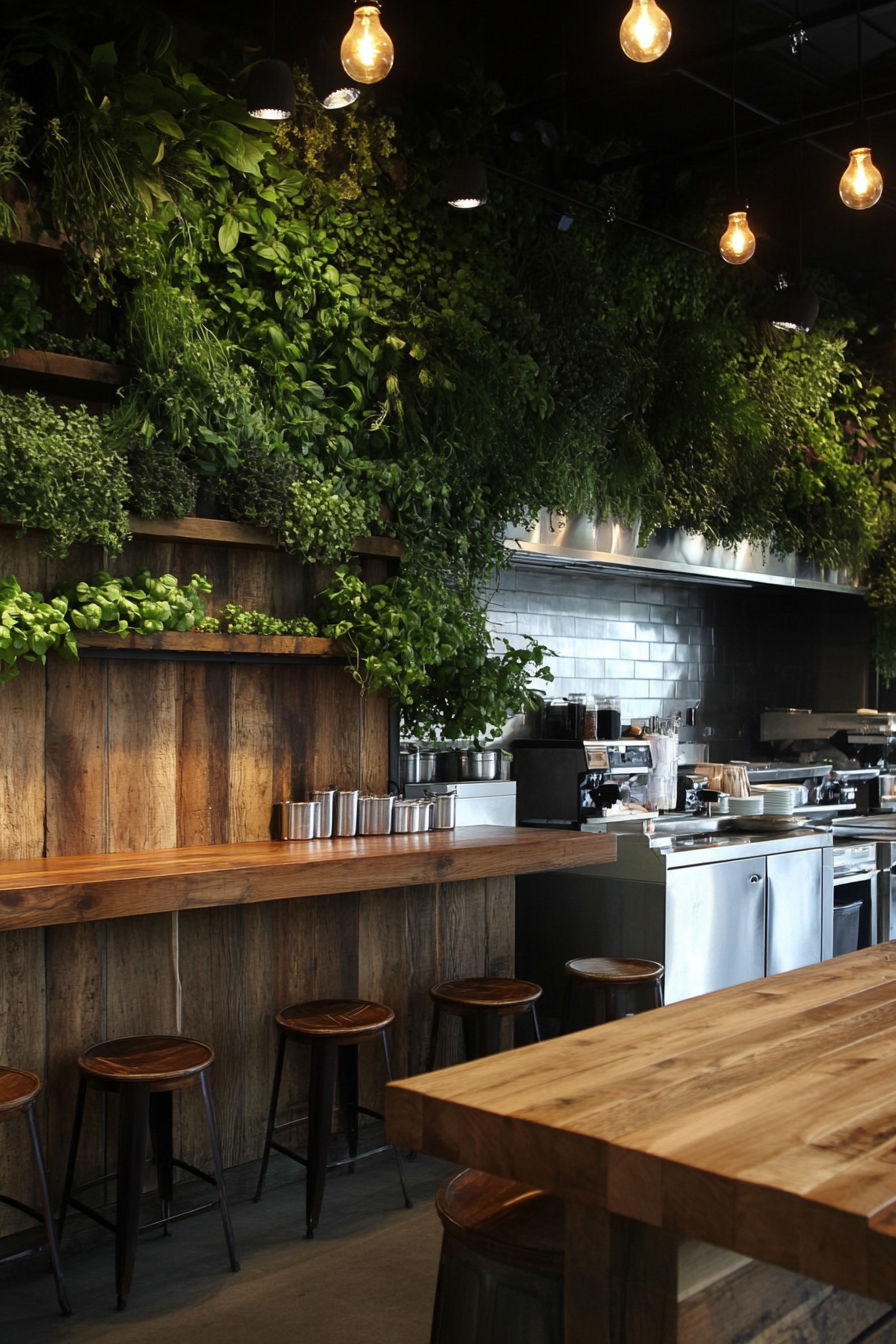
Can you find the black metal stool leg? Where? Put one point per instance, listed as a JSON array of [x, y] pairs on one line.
[[72, 1154], [613, 1001], [471, 1037], [536, 1031], [133, 1123], [566, 1015], [40, 1170], [161, 1131], [658, 993], [348, 1096], [433, 1040], [219, 1172], [321, 1096], [272, 1117], [408, 1202]]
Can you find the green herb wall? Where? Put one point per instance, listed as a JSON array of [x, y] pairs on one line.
[[324, 347]]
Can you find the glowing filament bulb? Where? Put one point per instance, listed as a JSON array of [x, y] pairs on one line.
[[367, 51], [861, 185], [646, 31], [738, 243]]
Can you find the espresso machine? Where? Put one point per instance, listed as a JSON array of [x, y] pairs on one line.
[[565, 783]]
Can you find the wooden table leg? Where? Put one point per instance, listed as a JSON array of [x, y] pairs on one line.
[[621, 1279]]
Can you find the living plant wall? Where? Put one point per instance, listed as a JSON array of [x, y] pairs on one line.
[[323, 347]]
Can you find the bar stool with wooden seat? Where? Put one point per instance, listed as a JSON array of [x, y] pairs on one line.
[[18, 1091], [501, 1265], [334, 1028], [145, 1072], [480, 1002], [613, 977]]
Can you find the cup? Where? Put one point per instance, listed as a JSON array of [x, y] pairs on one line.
[[298, 821], [327, 800]]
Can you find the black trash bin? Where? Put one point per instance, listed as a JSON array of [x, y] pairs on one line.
[[846, 927]]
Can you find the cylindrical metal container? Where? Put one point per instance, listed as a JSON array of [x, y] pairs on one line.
[[327, 800], [446, 767], [375, 814], [347, 812], [429, 762], [482, 764], [405, 815], [426, 810], [410, 767], [444, 811], [462, 770], [298, 821]]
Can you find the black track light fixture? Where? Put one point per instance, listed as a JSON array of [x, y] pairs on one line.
[[795, 307], [466, 184], [270, 91]]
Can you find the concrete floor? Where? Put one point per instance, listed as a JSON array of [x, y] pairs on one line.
[[367, 1278]]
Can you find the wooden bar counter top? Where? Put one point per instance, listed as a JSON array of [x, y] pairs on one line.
[[39, 892]]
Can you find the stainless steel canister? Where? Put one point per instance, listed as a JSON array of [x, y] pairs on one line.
[[444, 811], [375, 814], [426, 809], [409, 762], [327, 800], [482, 764], [405, 815], [347, 812], [429, 762], [298, 821]]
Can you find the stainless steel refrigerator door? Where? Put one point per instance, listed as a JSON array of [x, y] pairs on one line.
[[794, 926], [715, 927]]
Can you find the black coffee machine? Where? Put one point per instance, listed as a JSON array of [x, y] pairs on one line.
[[562, 783]]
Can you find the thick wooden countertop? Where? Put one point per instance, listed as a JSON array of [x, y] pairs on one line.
[[35, 892], [760, 1118]]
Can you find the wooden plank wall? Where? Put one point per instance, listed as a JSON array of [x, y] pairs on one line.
[[107, 755]]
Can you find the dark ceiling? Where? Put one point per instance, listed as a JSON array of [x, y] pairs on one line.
[[563, 64]]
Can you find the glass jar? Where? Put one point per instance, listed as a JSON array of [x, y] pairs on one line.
[[609, 718]]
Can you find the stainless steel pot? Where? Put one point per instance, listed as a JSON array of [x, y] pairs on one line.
[[426, 810], [444, 811], [298, 821], [482, 765], [406, 816], [410, 767], [429, 761], [375, 814], [327, 800], [347, 812]]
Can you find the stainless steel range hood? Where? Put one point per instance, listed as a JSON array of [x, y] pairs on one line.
[[581, 543]]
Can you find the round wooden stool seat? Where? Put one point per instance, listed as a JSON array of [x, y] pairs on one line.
[[616, 970], [504, 1220], [501, 1266], [164, 1062], [335, 1021], [18, 1087], [485, 994]]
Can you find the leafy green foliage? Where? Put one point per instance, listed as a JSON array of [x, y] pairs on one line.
[[239, 622], [85, 347], [15, 115], [424, 645], [30, 628], [141, 604], [21, 316], [57, 472]]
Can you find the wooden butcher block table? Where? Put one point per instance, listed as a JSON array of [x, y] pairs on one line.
[[761, 1119]]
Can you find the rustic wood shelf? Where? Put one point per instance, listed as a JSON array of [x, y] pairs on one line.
[[219, 531], [38, 892], [63, 373], [189, 645]]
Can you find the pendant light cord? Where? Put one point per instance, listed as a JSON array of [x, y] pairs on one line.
[[799, 171], [861, 63], [734, 98]]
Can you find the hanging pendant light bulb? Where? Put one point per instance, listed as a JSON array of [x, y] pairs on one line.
[[646, 31], [738, 243], [367, 51], [861, 186], [271, 91]]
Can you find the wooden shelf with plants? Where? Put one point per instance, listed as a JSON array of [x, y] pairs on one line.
[[63, 373], [223, 533], [205, 647]]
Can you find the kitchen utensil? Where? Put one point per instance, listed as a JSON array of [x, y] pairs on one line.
[[347, 812], [375, 814], [764, 823], [482, 765], [406, 816], [409, 762], [429, 761], [298, 821], [327, 800], [747, 807], [427, 813], [444, 810]]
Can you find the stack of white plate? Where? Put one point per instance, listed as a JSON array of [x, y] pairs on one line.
[[753, 806], [779, 800]]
